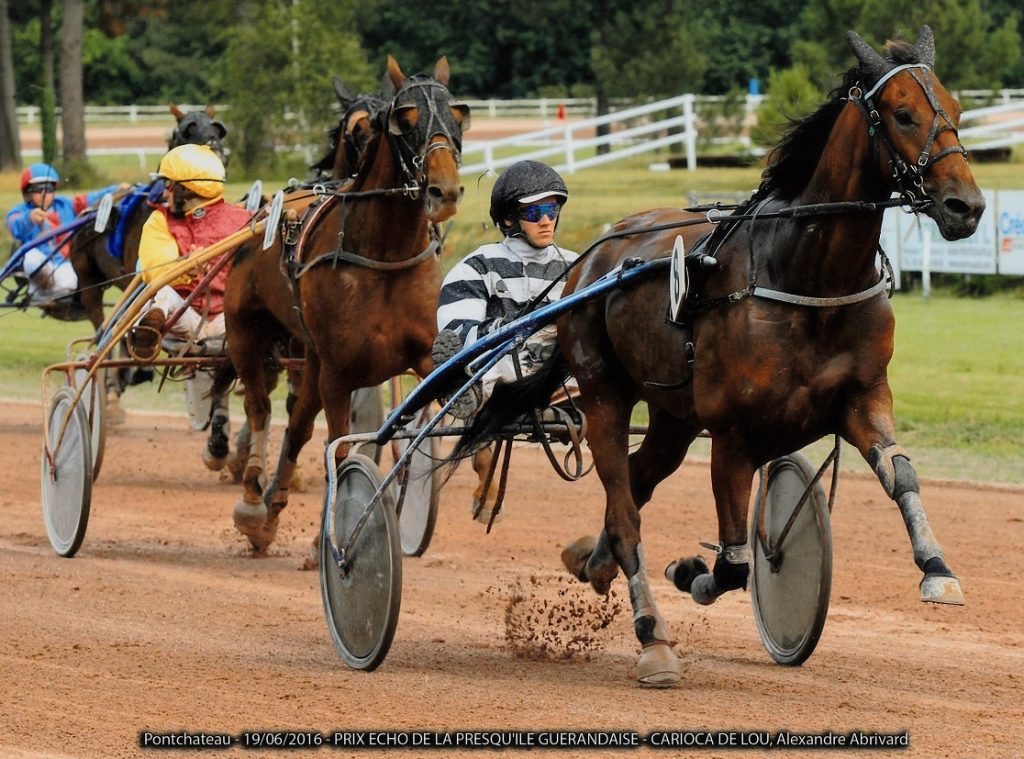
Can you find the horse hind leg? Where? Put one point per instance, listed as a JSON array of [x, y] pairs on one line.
[[215, 455], [731, 475], [663, 449], [898, 477]]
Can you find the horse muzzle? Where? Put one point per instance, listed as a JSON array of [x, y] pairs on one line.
[[442, 201], [957, 212]]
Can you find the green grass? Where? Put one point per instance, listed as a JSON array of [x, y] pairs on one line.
[[957, 374]]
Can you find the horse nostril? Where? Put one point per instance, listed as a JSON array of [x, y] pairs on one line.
[[435, 192], [956, 207]]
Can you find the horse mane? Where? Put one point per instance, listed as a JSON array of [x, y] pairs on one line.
[[792, 162], [368, 157]]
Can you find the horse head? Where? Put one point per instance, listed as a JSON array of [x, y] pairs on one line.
[[199, 128], [916, 120], [426, 124], [349, 138]]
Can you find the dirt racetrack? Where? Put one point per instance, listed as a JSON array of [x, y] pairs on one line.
[[163, 622]]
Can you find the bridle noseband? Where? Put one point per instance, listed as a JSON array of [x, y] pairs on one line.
[[909, 177]]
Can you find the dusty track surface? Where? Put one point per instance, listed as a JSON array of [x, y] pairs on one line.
[[164, 622]]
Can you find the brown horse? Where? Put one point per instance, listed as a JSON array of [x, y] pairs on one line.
[[791, 334], [353, 131], [362, 285]]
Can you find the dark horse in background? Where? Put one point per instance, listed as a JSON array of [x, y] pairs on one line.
[[770, 374], [360, 286]]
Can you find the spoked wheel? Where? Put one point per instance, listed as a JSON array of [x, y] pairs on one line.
[[362, 603], [791, 590], [95, 400], [366, 415], [419, 507], [67, 485]]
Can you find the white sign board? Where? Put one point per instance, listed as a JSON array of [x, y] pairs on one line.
[[974, 255], [1010, 231]]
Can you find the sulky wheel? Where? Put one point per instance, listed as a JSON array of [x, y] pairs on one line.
[[94, 398], [419, 506], [362, 603], [791, 591], [366, 415], [66, 484]]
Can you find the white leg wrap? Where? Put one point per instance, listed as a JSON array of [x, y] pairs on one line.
[[643, 600], [258, 449]]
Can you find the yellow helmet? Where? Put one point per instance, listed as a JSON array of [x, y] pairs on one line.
[[196, 167]]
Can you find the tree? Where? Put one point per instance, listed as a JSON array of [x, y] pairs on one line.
[[973, 48], [47, 90], [791, 96], [71, 100], [10, 139], [267, 84], [650, 49]]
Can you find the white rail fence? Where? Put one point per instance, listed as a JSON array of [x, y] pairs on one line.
[[569, 140], [565, 143]]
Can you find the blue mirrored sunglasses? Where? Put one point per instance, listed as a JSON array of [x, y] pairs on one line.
[[42, 187], [534, 212]]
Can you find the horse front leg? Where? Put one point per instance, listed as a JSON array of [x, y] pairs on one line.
[[658, 666], [869, 426], [731, 476], [250, 513]]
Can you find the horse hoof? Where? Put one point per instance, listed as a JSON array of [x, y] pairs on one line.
[[602, 574], [682, 572], [213, 463], [575, 555], [251, 520], [941, 589], [658, 666], [704, 589], [483, 515]]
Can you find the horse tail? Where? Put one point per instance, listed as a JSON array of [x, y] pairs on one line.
[[509, 403], [223, 379]]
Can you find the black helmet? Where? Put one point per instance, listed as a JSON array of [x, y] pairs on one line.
[[523, 182]]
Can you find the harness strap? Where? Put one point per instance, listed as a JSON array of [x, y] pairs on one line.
[[806, 300], [433, 248]]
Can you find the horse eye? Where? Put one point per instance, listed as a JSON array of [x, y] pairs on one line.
[[903, 118]]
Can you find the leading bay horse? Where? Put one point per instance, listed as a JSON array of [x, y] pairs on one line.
[[358, 287], [791, 333]]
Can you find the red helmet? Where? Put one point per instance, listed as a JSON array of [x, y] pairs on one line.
[[39, 173]]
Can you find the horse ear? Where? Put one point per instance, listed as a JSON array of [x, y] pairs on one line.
[[395, 73], [211, 111], [344, 95], [178, 114], [872, 64], [441, 71], [925, 46]]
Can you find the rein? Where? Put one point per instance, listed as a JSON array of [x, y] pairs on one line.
[[713, 215]]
